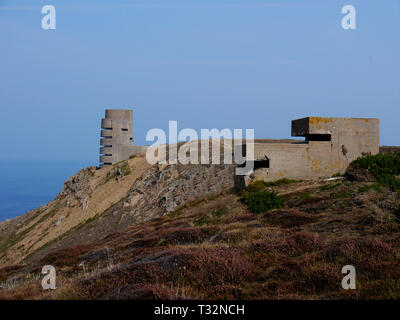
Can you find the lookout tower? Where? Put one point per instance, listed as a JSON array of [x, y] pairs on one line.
[[116, 143]]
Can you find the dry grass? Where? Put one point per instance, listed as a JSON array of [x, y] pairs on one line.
[[217, 249]]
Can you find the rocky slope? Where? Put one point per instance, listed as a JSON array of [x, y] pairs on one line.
[[95, 202], [138, 231]]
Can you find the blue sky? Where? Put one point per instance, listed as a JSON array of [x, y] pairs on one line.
[[235, 64]]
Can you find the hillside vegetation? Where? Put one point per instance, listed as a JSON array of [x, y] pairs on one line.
[[282, 240]]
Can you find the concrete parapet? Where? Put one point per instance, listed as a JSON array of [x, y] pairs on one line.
[[121, 114]]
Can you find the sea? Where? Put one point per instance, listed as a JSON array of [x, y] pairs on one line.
[[26, 185]]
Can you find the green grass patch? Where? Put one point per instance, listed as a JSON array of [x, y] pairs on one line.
[[257, 185], [280, 182]]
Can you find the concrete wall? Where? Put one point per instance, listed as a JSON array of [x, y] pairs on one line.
[[349, 139], [116, 143], [329, 145]]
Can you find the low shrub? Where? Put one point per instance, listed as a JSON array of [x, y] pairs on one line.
[[259, 199], [262, 201], [383, 167]]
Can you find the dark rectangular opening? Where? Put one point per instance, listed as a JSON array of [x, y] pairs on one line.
[[124, 129], [318, 137], [258, 164], [261, 164]]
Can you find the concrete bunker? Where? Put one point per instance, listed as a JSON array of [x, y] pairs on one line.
[[329, 145]]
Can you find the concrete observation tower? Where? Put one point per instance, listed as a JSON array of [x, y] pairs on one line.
[[116, 143]]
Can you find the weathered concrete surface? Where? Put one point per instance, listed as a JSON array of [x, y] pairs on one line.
[[346, 139], [117, 137]]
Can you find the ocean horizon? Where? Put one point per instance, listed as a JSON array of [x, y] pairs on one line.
[[26, 185]]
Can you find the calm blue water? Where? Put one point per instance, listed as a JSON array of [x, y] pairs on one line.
[[27, 185]]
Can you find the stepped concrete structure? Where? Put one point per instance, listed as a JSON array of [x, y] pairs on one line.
[[116, 143], [329, 146]]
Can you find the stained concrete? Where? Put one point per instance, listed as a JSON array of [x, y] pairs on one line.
[[344, 140], [116, 143]]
